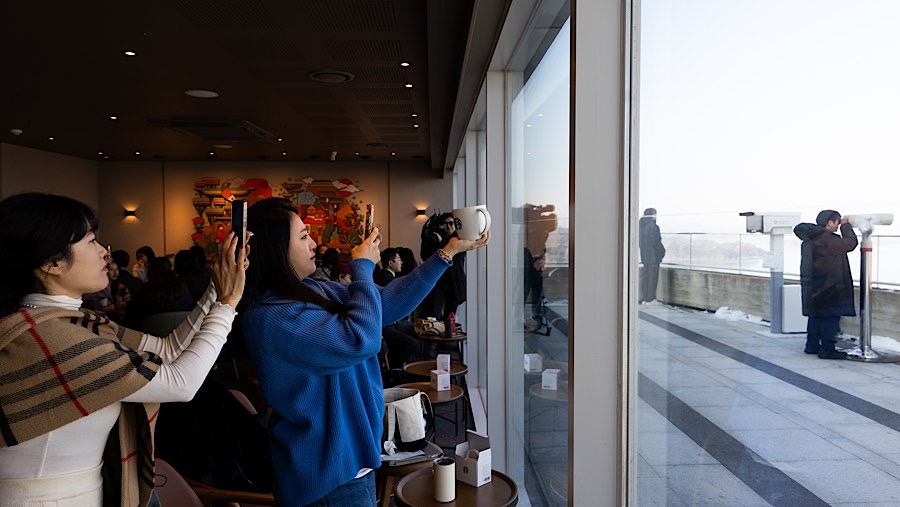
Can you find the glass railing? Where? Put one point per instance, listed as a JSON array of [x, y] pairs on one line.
[[744, 253]]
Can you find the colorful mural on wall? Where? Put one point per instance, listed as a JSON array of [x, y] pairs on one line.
[[330, 208]]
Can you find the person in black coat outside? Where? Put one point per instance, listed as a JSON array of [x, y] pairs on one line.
[[652, 253], [826, 286]]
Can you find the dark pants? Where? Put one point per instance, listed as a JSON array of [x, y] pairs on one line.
[[356, 493], [648, 279], [820, 332]]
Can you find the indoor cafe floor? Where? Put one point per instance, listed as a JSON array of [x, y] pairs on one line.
[[729, 414]]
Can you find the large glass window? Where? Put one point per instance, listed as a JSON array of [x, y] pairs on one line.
[[780, 109], [539, 181]]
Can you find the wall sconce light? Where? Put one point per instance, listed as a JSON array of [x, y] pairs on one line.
[[421, 212], [130, 213]]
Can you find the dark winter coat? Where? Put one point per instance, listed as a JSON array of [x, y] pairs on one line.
[[650, 241], [826, 285]]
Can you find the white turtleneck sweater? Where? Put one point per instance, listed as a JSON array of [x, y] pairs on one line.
[[188, 353]]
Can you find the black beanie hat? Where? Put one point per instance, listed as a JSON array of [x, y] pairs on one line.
[[825, 215]]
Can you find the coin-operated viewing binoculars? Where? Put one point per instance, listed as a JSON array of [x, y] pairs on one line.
[[865, 223], [776, 224]]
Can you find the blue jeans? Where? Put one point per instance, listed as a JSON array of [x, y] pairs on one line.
[[356, 493]]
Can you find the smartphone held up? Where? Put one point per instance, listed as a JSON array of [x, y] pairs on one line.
[[239, 223]]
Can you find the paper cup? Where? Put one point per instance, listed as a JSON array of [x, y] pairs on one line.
[[444, 479]]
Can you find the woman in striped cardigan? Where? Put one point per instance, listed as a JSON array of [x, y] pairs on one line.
[[68, 376]]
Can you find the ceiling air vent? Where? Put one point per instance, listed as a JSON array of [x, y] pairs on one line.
[[217, 129]]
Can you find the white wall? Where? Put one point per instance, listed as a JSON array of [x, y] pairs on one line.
[[29, 170]]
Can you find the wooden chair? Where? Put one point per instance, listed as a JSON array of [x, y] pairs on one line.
[[174, 490]]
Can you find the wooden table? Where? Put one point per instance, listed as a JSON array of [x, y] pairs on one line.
[[557, 397], [386, 476], [423, 368], [417, 490], [458, 340], [436, 397]]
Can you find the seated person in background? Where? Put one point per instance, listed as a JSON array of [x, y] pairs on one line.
[[122, 260], [119, 293], [390, 267], [144, 255], [342, 273], [202, 259], [188, 268], [408, 258], [329, 261], [163, 292]]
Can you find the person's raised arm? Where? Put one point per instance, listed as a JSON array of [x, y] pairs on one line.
[[180, 379]]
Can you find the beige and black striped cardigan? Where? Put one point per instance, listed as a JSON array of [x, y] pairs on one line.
[[59, 365]]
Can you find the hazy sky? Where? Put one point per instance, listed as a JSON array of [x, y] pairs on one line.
[[745, 105], [768, 105]]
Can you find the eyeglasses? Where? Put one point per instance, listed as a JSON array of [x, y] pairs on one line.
[[450, 223]]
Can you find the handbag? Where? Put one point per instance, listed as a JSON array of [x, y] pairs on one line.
[[407, 420], [429, 327]]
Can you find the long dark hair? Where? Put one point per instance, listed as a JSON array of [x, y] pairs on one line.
[[270, 266], [37, 228]]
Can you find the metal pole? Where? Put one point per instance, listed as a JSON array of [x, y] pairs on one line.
[[865, 293], [776, 281], [864, 352]]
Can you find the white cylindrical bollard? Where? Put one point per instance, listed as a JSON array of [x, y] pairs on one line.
[[444, 479]]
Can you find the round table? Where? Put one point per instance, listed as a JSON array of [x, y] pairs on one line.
[[458, 340], [436, 397], [423, 368], [386, 476], [417, 490]]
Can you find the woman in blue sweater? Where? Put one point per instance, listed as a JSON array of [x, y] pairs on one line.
[[314, 345]]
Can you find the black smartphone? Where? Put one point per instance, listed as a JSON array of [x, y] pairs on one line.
[[370, 220], [239, 222]]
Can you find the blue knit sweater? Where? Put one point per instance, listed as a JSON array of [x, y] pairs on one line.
[[321, 377]]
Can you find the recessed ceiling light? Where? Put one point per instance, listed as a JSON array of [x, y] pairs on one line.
[[212, 154], [51, 139], [356, 153], [113, 118], [137, 153], [415, 125], [283, 153], [202, 94], [404, 64], [414, 115], [99, 153], [393, 153], [408, 85], [331, 76], [130, 53], [280, 139]]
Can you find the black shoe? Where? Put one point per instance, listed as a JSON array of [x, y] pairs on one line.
[[832, 354], [811, 350]]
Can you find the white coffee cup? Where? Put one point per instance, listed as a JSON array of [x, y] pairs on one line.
[[444, 479], [472, 221]]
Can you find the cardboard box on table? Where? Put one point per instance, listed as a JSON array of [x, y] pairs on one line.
[[440, 380], [533, 363], [473, 460], [550, 379]]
